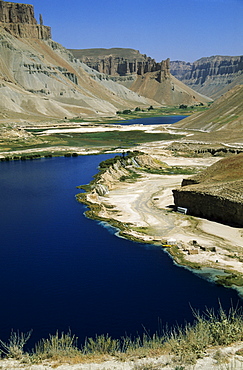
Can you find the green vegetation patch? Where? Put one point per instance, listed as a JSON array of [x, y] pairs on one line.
[[230, 279], [109, 138]]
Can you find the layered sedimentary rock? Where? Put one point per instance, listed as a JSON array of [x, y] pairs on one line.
[[39, 77], [116, 61], [211, 76], [19, 20], [217, 193]]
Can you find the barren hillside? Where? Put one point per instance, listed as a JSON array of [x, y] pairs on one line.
[[222, 122]]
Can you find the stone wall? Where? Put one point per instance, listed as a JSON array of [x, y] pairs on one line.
[[19, 20]]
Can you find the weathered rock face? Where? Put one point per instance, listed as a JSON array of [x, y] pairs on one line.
[[216, 193], [116, 61], [210, 76], [213, 207], [19, 20]]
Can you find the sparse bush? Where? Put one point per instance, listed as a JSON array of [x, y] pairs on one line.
[[56, 346], [183, 106], [102, 344], [14, 348]]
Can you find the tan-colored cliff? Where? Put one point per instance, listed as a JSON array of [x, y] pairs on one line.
[[211, 76], [19, 20], [116, 61], [216, 193]]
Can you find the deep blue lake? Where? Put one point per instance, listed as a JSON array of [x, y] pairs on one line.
[[60, 270], [162, 120]]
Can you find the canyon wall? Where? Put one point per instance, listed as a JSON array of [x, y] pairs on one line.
[[19, 20], [211, 76], [116, 61]]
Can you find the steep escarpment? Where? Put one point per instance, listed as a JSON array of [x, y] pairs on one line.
[[211, 76], [116, 61], [19, 20], [216, 193]]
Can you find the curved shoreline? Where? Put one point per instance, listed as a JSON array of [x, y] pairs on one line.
[[137, 219]]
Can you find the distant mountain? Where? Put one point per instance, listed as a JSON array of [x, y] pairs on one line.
[[141, 74], [211, 76]]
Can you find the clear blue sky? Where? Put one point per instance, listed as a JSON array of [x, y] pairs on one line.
[[176, 29]]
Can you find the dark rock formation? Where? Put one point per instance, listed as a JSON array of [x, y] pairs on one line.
[[216, 193], [203, 204], [19, 20], [210, 76]]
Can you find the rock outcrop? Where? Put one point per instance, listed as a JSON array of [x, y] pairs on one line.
[[217, 193], [19, 20], [211, 76], [116, 61], [165, 89]]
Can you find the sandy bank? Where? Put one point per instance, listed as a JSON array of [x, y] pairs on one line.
[[144, 209]]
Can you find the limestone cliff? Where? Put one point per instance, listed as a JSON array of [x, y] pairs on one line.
[[217, 193], [19, 20], [211, 76], [116, 61]]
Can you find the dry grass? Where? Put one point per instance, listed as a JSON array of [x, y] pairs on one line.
[[185, 345]]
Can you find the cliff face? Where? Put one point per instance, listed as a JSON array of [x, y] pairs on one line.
[[165, 89], [19, 20], [211, 76], [217, 193], [116, 61]]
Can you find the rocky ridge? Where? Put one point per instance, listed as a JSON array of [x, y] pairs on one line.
[[211, 76]]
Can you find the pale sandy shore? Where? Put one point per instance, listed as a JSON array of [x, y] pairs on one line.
[[230, 360], [145, 206]]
